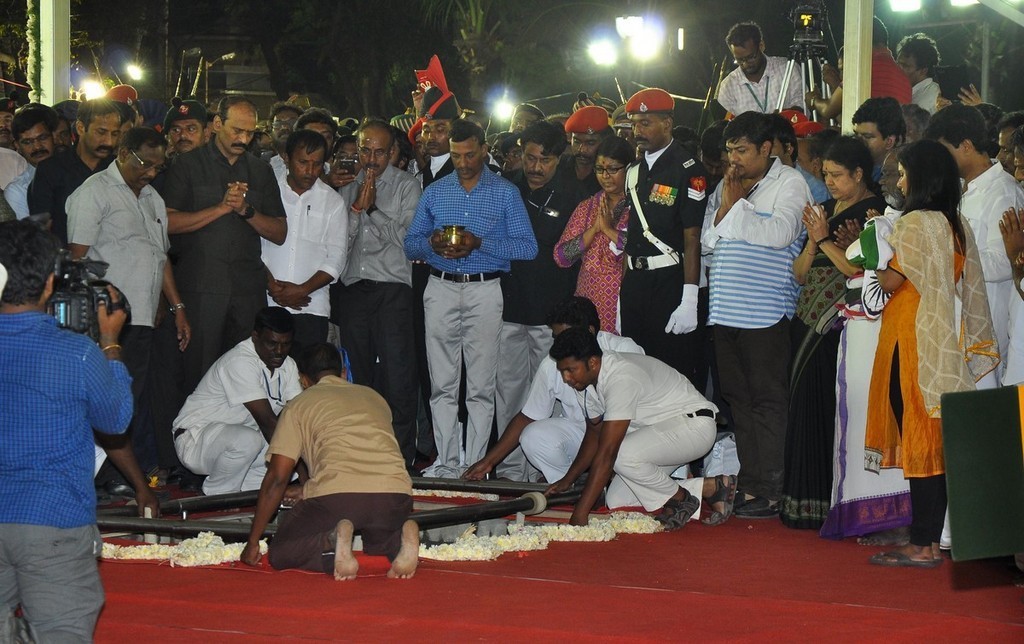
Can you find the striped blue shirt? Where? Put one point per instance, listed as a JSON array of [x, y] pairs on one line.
[[752, 284], [492, 210], [55, 388]]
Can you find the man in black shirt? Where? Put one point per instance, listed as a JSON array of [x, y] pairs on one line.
[[99, 128], [550, 193], [220, 201]]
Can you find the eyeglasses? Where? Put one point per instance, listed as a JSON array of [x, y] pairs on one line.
[[376, 154], [608, 171], [191, 129], [748, 58], [42, 138], [147, 166]]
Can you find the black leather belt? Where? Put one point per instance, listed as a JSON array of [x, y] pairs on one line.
[[464, 278], [707, 413], [178, 432]]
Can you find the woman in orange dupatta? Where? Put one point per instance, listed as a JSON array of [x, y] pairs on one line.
[[924, 348]]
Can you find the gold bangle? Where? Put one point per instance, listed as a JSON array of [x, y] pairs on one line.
[[111, 346]]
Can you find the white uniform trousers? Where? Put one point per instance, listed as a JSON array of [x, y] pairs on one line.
[[233, 457]]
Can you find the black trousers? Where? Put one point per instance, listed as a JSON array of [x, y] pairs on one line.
[[647, 299], [375, 322], [219, 322], [166, 395], [309, 330], [928, 493], [753, 366], [136, 352]]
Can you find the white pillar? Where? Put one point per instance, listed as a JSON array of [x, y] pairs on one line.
[[55, 51], [856, 58]]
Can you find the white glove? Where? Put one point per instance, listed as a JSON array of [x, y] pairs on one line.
[[684, 318]]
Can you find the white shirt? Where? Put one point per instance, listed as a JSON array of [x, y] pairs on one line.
[[127, 232], [987, 196], [642, 390], [738, 95], [277, 165], [11, 165], [548, 387], [316, 241], [437, 162], [16, 192], [924, 94], [771, 215], [239, 376]]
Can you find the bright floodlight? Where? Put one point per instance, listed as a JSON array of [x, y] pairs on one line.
[[134, 72], [905, 5], [603, 52], [93, 89], [629, 26], [962, 3], [503, 109], [647, 44]]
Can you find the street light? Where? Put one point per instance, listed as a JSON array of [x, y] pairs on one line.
[[646, 44], [503, 109], [93, 89], [134, 72], [603, 52], [904, 6], [629, 26]]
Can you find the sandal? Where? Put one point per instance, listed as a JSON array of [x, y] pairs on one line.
[[676, 513], [725, 492]]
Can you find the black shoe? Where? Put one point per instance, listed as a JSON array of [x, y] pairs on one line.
[[119, 488], [757, 508]]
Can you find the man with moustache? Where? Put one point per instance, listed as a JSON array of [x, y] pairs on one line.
[[283, 117], [314, 252], [185, 127], [7, 110], [587, 127], [99, 127], [116, 217], [33, 128], [223, 429], [533, 287], [660, 292], [523, 116], [375, 300], [755, 83], [463, 302], [221, 201], [754, 228]]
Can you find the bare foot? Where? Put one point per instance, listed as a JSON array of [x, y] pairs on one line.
[[894, 537], [345, 564], [404, 565]]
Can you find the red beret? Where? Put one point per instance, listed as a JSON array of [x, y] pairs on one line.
[[804, 129], [587, 120], [414, 131], [793, 116], [650, 100], [123, 94]]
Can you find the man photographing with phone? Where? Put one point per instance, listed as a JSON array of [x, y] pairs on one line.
[[57, 387]]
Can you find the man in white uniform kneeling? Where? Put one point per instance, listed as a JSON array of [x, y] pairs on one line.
[[645, 419], [223, 429]]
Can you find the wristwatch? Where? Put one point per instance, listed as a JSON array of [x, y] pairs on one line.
[[248, 213], [372, 209]]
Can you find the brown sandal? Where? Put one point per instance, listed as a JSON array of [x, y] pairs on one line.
[[725, 492]]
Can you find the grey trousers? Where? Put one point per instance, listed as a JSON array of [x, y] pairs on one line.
[[463, 324], [522, 348], [52, 573]]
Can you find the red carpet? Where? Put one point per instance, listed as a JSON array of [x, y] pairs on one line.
[[742, 581]]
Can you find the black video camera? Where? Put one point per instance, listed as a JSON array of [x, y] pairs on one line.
[[78, 291], [809, 23]]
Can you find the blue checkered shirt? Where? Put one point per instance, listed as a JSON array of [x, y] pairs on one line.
[[492, 210], [55, 388]]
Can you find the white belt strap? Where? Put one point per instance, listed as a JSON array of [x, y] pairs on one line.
[[632, 176]]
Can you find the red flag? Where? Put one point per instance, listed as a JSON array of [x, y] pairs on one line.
[[432, 76]]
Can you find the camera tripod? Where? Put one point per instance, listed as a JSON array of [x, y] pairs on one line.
[[807, 57]]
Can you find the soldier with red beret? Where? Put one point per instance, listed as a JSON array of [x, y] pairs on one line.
[[660, 288], [587, 127]]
